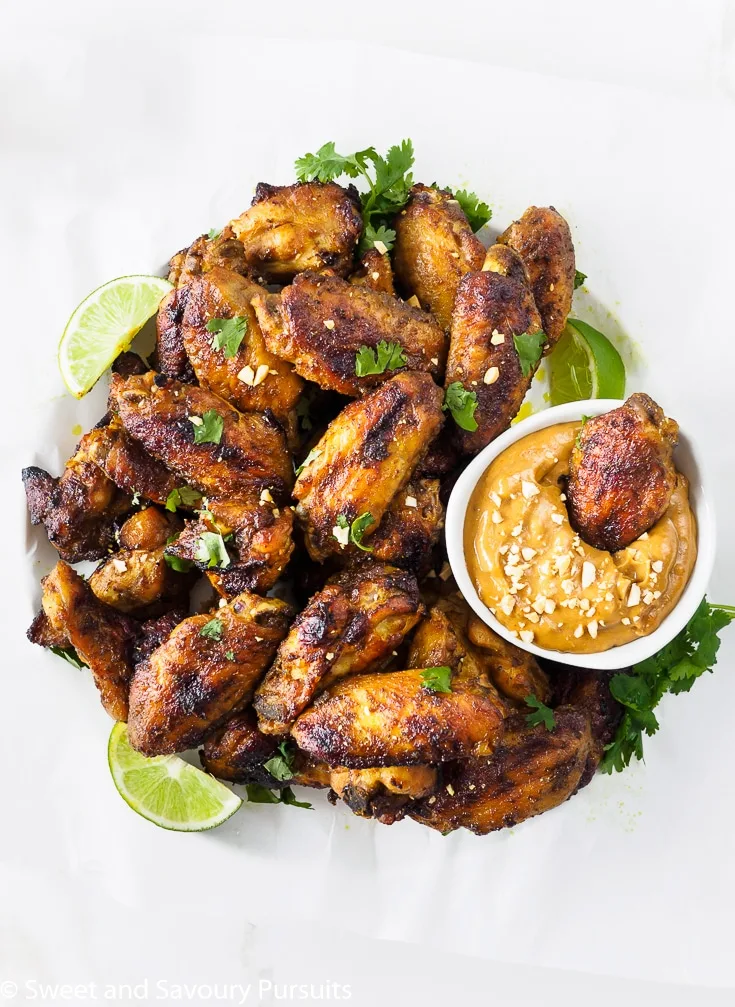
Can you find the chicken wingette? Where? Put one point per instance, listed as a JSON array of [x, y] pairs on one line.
[[221, 251], [366, 456], [292, 228], [375, 271], [205, 671], [385, 793], [543, 240], [434, 249], [126, 462], [492, 307], [356, 621], [324, 325], [622, 474]]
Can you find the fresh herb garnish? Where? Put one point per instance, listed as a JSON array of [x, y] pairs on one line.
[[281, 766], [213, 233], [578, 438], [477, 212], [230, 655], [211, 550], [262, 795], [208, 429], [69, 654], [228, 333], [312, 456], [356, 532], [437, 679], [385, 357], [303, 412], [542, 714], [529, 346], [387, 188], [673, 669], [212, 630], [461, 404], [184, 496], [579, 278], [177, 563]]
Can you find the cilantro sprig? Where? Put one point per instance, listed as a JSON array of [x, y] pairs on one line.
[[228, 333], [579, 278], [357, 529], [437, 679], [211, 550], [280, 766], [385, 357], [529, 347], [673, 669], [262, 795], [462, 404], [212, 630], [477, 212], [184, 496], [541, 714]]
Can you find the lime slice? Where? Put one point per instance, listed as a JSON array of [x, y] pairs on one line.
[[585, 365], [105, 324], [166, 790]]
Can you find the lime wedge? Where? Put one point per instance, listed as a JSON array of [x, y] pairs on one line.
[[585, 365], [166, 790], [105, 324]]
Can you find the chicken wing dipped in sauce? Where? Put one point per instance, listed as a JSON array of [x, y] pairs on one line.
[[543, 240], [434, 248], [293, 228], [321, 324], [622, 473], [356, 621], [364, 459], [492, 308], [205, 671], [71, 615]]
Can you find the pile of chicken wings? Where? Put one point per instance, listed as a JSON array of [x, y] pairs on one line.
[[242, 475]]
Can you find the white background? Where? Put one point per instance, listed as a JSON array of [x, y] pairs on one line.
[[127, 130]]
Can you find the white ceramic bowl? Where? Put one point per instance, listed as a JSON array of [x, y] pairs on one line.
[[628, 653]]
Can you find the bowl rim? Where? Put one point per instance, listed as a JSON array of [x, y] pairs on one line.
[[625, 654]]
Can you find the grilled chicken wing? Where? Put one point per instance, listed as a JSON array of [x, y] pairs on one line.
[[270, 383], [237, 752], [366, 456], [515, 673], [622, 474], [392, 719], [250, 456], [434, 249], [355, 622], [171, 358], [491, 308], [543, 240], [101, 636], [224, 251], [320, 322], [385, 793], [292, 228], [78, 510], [127, 463], [375, 272], [195, 680]]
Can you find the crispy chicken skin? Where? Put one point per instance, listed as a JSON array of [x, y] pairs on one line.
[[366, 456], [356, 621], [237, 751], [374, 272], [543, 240], [515, 672], [392, 719], [250, 456], [224, 251], [384, 793], [320, 322], [78, 510], [292, 228], [221, 293], [189, 686], [101, 636], [531, 771], [127, 463], [622, 473], [490, 305], [434, 249], [171, 358]]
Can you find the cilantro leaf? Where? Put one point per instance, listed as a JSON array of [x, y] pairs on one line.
[[342, 521], [262, 795], [529, 346], [674, 669], [212, 630], [230, 655], [177, 563], [477, 212], [579, 278], [209, 428], [437, 679], [213, 233], [385, 357], [228, 333], [211, 550], [383, 238], [288, 797], [542, 714], [281, 766], [358, 528], [327, 164], [184, 496], [312, 456], [461, 404], [69, 654]]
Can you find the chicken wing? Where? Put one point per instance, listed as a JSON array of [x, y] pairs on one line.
[[249, 456], [385, 793], [171, 358], [237, 752], [204, 671], [393, 719], [101, 636], [292, 228], [622, 473], [366, 456], [252, 380], [355, 622], [127, 463], [320, 323], [543, 240], [375, 272], [515, 673], [223, 251], [491, 308], [434, 249]]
